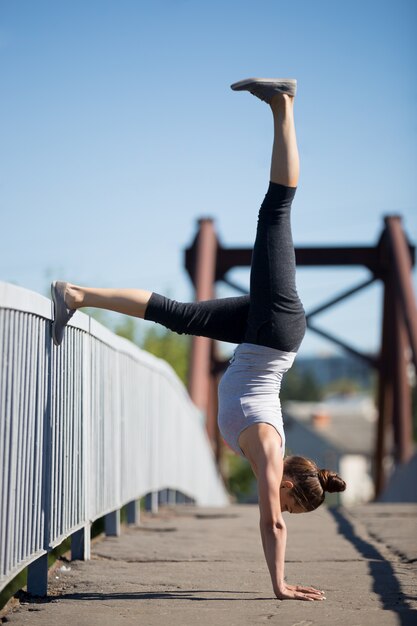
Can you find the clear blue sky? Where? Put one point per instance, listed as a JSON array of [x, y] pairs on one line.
[[119, 130]]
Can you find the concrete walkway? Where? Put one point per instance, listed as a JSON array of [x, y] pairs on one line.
[[201, 567]]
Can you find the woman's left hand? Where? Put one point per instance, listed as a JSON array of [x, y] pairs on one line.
[[307, 590]]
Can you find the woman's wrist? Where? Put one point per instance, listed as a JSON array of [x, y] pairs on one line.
[[279, 587]]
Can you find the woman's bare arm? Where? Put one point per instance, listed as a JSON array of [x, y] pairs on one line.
[[271, 523], [263, 450]]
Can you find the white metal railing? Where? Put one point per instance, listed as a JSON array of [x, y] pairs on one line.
[[85, 429]]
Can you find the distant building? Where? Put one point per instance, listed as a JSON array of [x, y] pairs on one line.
[[402, 485], [338, 434], [328, 369]]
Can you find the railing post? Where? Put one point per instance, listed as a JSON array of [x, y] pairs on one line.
[[37, 582], [151, 502], [81, 544], [112, 524], [154, 502], [37, 576], [163, 497], [133, 512]]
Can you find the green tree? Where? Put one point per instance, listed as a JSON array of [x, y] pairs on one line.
[[175, 349], [297, 386], [240, 480], [343, 386], [127, 327]]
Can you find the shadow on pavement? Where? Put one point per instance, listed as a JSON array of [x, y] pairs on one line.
[[163, 595], [385, 583]]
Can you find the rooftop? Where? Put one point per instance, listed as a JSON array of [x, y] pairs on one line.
[[347, 423]]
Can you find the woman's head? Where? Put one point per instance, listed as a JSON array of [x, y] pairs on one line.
[[306, 484]]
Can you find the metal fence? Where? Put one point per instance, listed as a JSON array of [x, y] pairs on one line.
[[85, 429]]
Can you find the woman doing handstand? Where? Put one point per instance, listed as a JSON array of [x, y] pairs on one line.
[[268, 325]]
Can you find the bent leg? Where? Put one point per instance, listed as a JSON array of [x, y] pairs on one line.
[[224, 319]]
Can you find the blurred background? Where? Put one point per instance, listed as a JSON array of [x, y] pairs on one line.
[[119, 130]]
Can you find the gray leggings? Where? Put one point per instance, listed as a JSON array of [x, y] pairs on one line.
[[272, 314]]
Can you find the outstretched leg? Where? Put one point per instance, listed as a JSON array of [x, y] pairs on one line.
[[223, 319]]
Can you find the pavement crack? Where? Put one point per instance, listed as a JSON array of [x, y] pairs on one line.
[[359, 560], [216, 515], [106, 557], [167, 529]]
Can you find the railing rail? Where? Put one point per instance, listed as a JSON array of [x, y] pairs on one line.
[[85, 429]]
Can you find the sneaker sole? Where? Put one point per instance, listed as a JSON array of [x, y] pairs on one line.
[[55, 310], [56, 306], [289, 84]]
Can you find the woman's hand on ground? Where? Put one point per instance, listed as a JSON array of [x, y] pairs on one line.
[[298, 592]]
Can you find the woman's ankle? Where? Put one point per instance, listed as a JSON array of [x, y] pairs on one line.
[[281, 102], [73, 296]]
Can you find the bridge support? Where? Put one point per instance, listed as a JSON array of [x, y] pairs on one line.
[[151, 502], [37, 581], [204, 274], [81, 544], [112, 524], [133, 512], [398, 349]]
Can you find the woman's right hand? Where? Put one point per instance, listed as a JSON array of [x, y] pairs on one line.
[[298, 592]]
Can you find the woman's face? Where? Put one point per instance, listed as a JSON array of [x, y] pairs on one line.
[[287, 500]]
